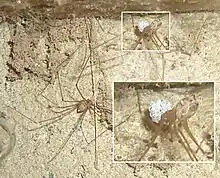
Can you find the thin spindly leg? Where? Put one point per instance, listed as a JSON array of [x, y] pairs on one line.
[[154, 40], [85, 62], [79, 77], [61, 91], [55, 72], [95, 131], [148, 147], [79, 122], [42, 95], [61, 113], [186, 127], [208, 130], [61, 109], [188, 146], [157, 37], [134, 47], [183, 144], [54, 120], [93, 106], [115, 35]]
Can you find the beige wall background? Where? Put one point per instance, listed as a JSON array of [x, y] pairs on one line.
[[31, 54]]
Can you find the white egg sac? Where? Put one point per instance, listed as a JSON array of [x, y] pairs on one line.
[[157, 108], [142, 25]]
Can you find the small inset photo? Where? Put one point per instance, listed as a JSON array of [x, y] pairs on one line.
[[145, 30], [158, 122]]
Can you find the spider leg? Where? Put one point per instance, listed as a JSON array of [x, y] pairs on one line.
[[56, 72], [63, 112], [186, 127], [104, 61], [95, 131], [153, 39], [115, 35], [83, 131], [114, 127], [86, 60], [148, 146], [95, 120], [209, 128], [105, 110], [134, 47], [81, 128], [156, 37], [176, 130], [188, 146], [61, 91], [102, 109], [79, 77], [89, 29], [52, 108], [26, 117], [106, 42], [79, 122], [55, 119], [42, 95], [183, 144]]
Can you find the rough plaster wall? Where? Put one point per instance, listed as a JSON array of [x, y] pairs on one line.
[[78, 8], [33, 149], [129, 137]]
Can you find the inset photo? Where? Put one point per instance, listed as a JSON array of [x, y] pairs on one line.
[[145, 30], [163, 122]]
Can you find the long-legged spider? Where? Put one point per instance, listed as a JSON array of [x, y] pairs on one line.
[[146, 34], [172, 123], [83, 106], [149, 34]]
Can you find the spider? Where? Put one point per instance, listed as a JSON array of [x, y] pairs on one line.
[[82, 107], [147, 32], [172, 123]]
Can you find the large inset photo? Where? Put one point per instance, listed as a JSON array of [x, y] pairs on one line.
[[163, 121]]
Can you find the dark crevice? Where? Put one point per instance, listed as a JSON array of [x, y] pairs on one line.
[[11, 44], [12, 69], [30, 71]]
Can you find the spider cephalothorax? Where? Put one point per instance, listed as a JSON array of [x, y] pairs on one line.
[[83, 105]]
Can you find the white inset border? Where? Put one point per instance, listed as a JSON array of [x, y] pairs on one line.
[[147, 12], [169, 162]]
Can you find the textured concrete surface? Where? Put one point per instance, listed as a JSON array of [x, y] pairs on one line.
[[25, 71], [64, 8]]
